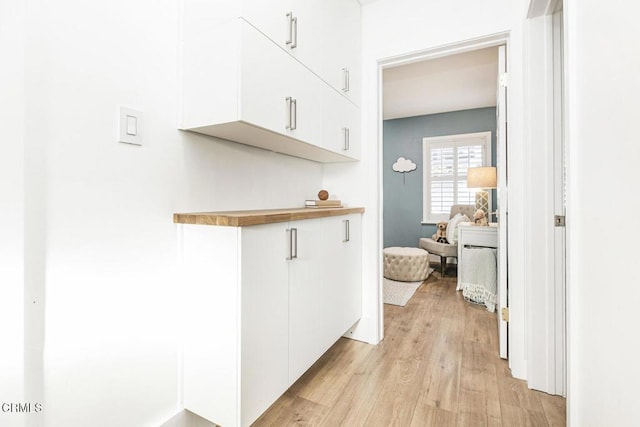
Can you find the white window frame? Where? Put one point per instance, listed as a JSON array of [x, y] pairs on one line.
[[447, 141]]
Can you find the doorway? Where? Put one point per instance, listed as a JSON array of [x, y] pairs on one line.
[[391, 235]]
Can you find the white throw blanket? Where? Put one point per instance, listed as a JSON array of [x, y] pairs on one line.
[[478, 276]]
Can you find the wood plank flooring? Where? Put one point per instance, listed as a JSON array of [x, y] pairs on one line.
[[438, 365]]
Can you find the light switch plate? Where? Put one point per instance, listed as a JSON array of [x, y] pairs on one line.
[[130, 125]]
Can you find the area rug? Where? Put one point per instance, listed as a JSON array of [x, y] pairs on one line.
[[399, 293]]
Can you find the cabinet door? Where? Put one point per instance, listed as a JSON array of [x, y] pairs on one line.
[[342, 289], [270, 17], [305, 293], [311, 34], [353, 273], [277, 92], [264, 81], [264, 346], [325, 36], [343, 45], [341, 125]]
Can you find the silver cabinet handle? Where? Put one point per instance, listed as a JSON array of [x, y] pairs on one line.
[[290, 26], [292, 113], [288, 101], [347, 236], [345, 136], [294, 122], [293, 243], [294, 40], [292, 23], [345, 83]]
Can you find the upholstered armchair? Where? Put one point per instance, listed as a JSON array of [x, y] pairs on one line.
[[446, 250]]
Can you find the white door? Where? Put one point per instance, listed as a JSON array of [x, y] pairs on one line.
[[503, 208]]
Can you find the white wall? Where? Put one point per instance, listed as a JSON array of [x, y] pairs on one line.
[[603, 162], [11, 207], [399, 27], [101, 243]]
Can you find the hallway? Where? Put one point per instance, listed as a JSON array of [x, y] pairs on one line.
[[438, 365]]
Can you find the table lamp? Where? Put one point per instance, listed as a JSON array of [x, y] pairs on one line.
[[485, 179]]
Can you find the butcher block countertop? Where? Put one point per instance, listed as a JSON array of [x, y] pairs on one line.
[[257, 217]]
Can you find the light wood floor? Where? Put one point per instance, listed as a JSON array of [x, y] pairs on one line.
[[438, 365]]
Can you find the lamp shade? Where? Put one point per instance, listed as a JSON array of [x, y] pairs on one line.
[[484, 177]]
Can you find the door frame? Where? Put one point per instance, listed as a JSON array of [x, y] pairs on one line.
[[547, 283], [492, 40]]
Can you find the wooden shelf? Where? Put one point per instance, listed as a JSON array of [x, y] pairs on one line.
[[257, 217]]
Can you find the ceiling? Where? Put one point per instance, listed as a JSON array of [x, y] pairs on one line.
[[452, 83]]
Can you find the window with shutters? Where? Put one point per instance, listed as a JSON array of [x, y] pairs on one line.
[[446, 160]]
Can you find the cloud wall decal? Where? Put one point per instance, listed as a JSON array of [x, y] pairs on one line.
[[404, 165]]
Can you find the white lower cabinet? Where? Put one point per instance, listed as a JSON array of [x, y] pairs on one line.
[[262, 304]]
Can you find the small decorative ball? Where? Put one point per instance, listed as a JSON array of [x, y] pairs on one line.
[[323, 195]]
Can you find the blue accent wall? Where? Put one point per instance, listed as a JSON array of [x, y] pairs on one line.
[[403, 191]]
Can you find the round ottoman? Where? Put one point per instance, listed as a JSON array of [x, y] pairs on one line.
[[406, 264]]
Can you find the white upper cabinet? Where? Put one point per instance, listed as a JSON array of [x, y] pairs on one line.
[[341, 125], [246, 77], [322, 34], [340, 34], [276, 92], [268, 16]]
